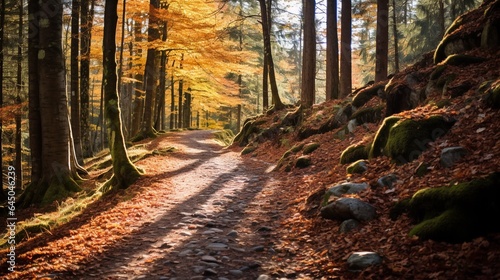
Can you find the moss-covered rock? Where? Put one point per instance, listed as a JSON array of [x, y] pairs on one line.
[[406, 139], [303, 162], [456, 213], [354, 153], [357, 167], [248, 149], [309, 148], [492, 97], [378, 144]]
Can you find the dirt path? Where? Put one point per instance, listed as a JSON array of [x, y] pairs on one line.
[[200, 213]]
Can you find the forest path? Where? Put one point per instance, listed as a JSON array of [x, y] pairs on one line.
[[201, 212]]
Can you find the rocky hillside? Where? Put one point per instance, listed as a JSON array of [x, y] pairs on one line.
[[405, 171]]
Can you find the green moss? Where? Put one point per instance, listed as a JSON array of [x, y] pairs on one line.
[[456, 213], [492, 97], [439, 54], [381, 137], [297, 148], [443, 103], [422, 169], [249, 128], [407, 139], [357, 167], [309, 148], [303, 162], [353, 153]]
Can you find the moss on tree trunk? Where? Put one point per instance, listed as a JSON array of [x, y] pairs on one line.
[[124, 171]]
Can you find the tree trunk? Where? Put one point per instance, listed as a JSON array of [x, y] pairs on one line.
[[309, 56], [278, 105], [181, 94], [332, 52], [3, 196], [18, 145], [138, 92], [441, 19], [395, 34], [75, 90], [86, 23], [57, 180], [172, 101], [160, 112], [124, 171], [345, 50], [382, 48]]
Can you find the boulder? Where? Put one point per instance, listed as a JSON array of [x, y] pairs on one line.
[[358, 167], [450, 155], [387, 181], [309, 148], [303, 162], [456, 213], [404, 140], [362, 260], [348, 208], [353, 153], [348, 225], [347, 188]]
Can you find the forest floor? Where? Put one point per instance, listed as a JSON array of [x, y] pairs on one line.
[[199, 212]]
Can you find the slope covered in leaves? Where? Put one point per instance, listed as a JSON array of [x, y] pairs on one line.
[[314, 246]]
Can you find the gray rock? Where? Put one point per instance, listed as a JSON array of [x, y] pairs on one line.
[[232, 233], [450, 155], [264, 277], [208, 258], [387, 181], [348, 225], [347, 188], [348, 208], [236, 272], [362, 260], [209, 272], [217, 246], [258, 249]]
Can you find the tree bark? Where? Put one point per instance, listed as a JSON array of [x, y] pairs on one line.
[[56, 180], [332, 51], [3, 196], [395, 34], [19, 153], [309, 55], [75, 90], [86, 27], [124, 171], [278, 105], [382, 47], [345, 50]]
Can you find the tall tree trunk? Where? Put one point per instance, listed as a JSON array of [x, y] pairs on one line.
[[332, 51], [138, 99], [159, 122], [382, 48], [86, 28], [441, 19], [151, 73], [75, 90], [172, 100], [395, 34], [19, 153], [265, 84], [57, 180], [309, 56], [35, 127], [3, 196], [278, 105], [181, 94], [345, 50], [124, 171]]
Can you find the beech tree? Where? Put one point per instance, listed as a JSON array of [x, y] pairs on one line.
[[124, 171], [52, 174], [309, 56]]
